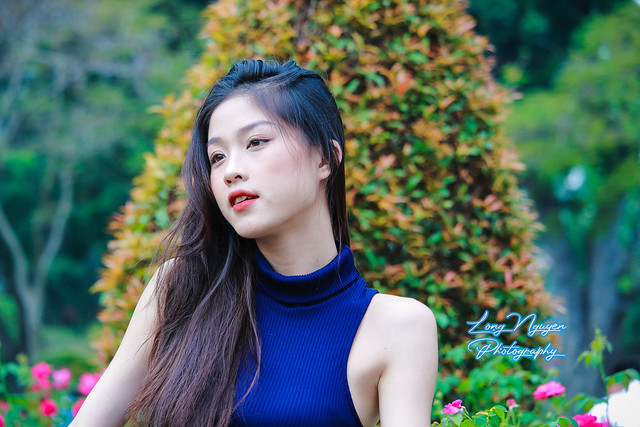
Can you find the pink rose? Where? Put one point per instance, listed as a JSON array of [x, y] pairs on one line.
[[511, 403], [61, 378], [453, 407], [48, 407], [41, 371], [589, 421], [552, 388], [76, 406], [87, 382]]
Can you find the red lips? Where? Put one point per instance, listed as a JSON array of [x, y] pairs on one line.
[[239, 207]]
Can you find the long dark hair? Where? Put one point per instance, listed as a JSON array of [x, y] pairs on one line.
[[206, 318]]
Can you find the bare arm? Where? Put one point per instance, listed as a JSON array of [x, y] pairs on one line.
[[407, 383], [107, 403]]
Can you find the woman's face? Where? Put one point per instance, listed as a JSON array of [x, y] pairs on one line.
[[276, 170]]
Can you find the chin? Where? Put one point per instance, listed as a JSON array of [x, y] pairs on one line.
[[250, 233]]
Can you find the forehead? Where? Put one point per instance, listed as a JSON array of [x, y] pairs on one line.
[[240, 114], [234, 113]]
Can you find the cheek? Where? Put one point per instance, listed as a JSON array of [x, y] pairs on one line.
[[218, 194], [297, 182], [294, 164]]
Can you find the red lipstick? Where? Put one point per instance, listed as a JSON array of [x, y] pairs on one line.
[[249, 198]]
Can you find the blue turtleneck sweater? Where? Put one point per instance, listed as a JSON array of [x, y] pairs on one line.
[[306, 324]]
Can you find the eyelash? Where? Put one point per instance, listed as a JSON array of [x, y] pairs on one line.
[[211, 160], [257, 139]]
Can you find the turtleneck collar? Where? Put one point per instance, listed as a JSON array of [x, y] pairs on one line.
[[306, 288]]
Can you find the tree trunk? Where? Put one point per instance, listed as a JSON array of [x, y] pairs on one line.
[[32, 320], [29, 288]]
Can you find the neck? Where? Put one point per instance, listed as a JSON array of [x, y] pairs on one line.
[[300, 252]]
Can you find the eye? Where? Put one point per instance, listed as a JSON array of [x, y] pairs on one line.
[[257, 142], [216, 157]]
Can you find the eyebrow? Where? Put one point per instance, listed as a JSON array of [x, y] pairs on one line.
[[242, 130]]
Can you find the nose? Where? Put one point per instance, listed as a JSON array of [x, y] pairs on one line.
[[230, 180], [233, 171]]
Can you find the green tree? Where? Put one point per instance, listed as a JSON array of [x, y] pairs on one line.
[[532, 38], [580, 141], [436, 213], [75, 81]]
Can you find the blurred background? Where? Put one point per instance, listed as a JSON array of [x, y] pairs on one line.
[[77, 78]]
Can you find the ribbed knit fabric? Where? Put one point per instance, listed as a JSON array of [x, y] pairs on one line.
[[307, 324]]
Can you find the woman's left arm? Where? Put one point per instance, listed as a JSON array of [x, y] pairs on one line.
[[407, 382]]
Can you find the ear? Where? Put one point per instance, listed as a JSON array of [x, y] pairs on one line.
[[325, 167]]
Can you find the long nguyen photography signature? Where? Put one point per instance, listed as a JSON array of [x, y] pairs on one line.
[[491, 345]]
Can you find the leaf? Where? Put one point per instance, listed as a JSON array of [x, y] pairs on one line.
[[352, 85], [500, 410], [567, 422], [435, 238], [456, 418], [632, 373], [162, 218], [584, 402], [495, 419]]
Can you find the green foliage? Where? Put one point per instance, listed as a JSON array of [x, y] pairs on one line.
[[531, 37], [78, 81], [589, 121], [66, 347], [534, 413], [594, 358], [9, 312], [435, 212], [496, 416], [498, 378], [23, 403]]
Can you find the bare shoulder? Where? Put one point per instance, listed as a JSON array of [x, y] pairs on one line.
[[163, 269], [408, 314], [404, 326]]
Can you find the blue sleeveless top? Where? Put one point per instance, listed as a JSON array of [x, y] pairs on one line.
[[306, 326]]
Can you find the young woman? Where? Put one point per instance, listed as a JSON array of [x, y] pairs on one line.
[[258, 315]]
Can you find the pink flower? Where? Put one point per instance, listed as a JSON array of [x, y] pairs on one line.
[[552, 388], [4, 407], [511, 403], [41, 371], [61, 378], [589, 421], [48, 407], [453, 407], [87, 382], [1, 421], [76, 406]]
